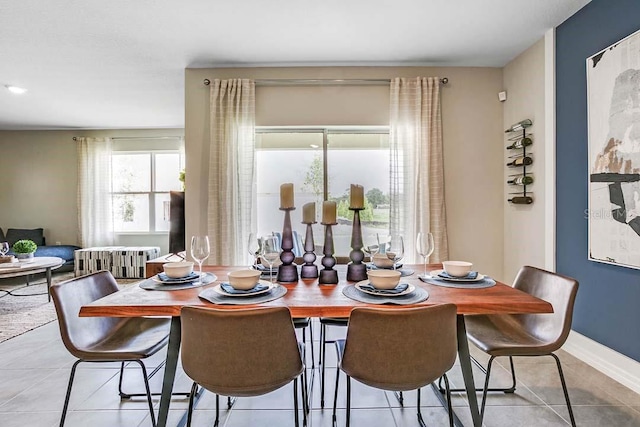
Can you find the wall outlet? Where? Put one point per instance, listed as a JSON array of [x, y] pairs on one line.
[[502, 96], [58, 243]]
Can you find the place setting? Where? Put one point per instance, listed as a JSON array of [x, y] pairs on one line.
[[457, 274], [386, 254], [384, 287], [243, 287], [180, 275]]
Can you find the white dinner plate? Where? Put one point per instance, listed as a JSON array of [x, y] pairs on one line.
[[218, 289], [177, 281], [435, 273], [359, 287]]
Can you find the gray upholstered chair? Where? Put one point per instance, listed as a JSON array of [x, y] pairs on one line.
[[527, 334], [104, 339], [398, 350], [244, 352]]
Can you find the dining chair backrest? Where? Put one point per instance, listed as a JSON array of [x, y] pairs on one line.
[[244, 352], [400, 349], [560, 291], [80, 333]]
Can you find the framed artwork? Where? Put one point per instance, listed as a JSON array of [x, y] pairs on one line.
[[613, 101]]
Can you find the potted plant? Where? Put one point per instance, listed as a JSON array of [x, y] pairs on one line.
[[24, 249]]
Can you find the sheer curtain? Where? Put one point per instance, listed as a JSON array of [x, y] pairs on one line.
[[417, 172], [232, 190], [95, 213]]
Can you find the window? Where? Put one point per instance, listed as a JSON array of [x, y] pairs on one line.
[[322, 163], [141, 183]]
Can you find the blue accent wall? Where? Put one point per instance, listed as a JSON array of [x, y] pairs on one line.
[[608, 303]]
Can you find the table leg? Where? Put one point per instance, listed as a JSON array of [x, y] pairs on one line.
[[49, 283], [173, 349], [467, 372]]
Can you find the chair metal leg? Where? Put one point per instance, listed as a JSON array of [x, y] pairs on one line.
[[323, 356], [510, 389], [348, 400], [449, 406], [420, 419], [146, 386], [313, 359], [231, 401], [564, 389], [486, 386], [217, 420], [400, 397], [194, 388], [335, 396], [295, 402], [66, 399]]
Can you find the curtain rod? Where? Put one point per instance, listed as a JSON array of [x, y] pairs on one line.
[[319, 82], [140, 137]]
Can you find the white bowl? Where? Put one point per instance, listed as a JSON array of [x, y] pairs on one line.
[[382, 261], [457, 268], [177, 270], [244, 279], [384, 279]]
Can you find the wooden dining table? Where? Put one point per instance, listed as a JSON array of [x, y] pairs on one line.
[[307, 298]]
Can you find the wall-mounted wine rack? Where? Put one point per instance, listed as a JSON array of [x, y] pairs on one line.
[[520, 140]]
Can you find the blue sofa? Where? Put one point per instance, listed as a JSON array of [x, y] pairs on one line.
[[66, 252]]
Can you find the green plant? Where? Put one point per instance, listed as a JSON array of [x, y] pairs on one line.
[[24, 247], [181, 177]]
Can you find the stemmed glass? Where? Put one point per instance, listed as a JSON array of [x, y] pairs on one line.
[[253, 246], [370, 245], [200, 250], [425, 247], [395, 252], [4, 248], [270, 252]]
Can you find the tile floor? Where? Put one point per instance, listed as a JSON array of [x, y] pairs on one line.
[[34, 370]]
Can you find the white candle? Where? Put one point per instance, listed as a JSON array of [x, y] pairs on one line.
[[356, 200], [309, 213], [328, 212], [286, 196]]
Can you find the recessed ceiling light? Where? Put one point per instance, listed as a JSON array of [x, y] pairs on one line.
[[15, 89]]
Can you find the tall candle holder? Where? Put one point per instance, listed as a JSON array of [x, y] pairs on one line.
[[309, 270], [328, 276], [356, 270], [288, 271]]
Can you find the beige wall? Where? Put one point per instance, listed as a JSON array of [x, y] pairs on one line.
[[472, 128], [39, 178], [524, 225]]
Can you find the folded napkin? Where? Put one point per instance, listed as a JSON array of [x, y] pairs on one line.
[[231, 290], [400, 288], [191, 276], [471, 276], [262, 267]]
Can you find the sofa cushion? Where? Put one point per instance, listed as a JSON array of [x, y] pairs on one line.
[[2, 236], [15, 234], [66, 252]]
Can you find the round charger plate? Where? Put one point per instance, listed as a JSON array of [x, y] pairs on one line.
[[186, 279], [218, 289], [435, 274], [359, 287]]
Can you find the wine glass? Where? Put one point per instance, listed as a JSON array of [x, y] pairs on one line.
[[253, 246], [270, 252], [4, 248], [370, 245], [395, 251], [200, 250], [425, 247]]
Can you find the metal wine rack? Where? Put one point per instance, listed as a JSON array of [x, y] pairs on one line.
[[516, 132]]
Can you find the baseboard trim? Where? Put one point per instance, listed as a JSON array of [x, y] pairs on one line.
[[615, 365]]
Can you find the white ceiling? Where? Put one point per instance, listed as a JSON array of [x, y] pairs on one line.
[[120, 63]]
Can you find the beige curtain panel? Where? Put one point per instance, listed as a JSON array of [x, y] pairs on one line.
[[232, 190], [417, 170]]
